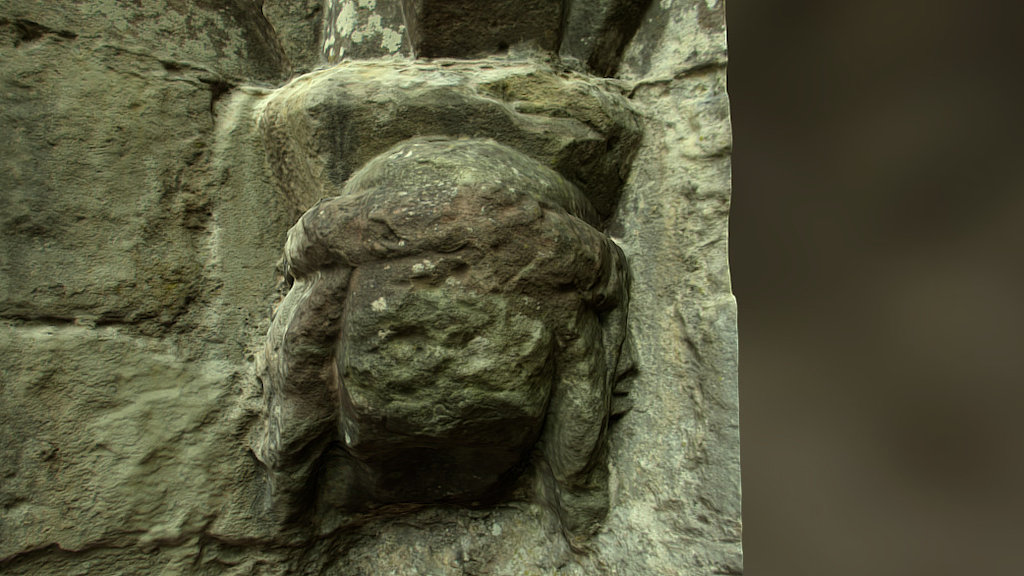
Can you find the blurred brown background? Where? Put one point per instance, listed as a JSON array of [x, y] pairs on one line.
[[876, 245]]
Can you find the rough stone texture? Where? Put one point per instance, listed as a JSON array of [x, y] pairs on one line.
[[226, 38], [364, 29], [322, 126], [106, 442], [471, 29], [144, 199], [597, 31], [298, 25], [452, 307], [680, 487], [676, 37], [104, 215]]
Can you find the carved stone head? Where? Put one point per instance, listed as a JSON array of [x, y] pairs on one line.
[[456, 318]]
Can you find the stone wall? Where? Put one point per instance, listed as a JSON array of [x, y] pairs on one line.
[[156, 154]]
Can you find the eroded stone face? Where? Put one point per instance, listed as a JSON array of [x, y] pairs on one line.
[[454, 313], [452, 379]]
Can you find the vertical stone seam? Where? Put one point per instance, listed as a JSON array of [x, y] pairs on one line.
[[275, 40], [563, 18], [408, 31]]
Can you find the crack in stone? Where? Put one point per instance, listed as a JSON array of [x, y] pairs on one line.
[[29, 31]]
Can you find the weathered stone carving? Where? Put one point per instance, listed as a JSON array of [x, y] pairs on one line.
[[477, 349], [156, 154], [455, 319]]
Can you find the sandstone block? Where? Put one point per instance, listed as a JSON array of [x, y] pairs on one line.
[[320, 128]]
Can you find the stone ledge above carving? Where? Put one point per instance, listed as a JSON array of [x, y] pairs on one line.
[[323, 126]]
